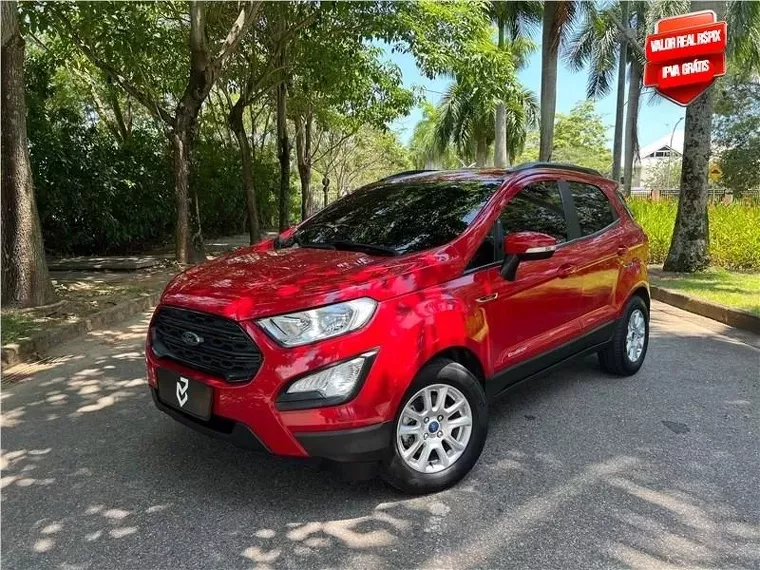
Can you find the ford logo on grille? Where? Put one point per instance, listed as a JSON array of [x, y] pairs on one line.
[[191, 339]]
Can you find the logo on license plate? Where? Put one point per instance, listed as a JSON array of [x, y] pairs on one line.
[[182, 385]]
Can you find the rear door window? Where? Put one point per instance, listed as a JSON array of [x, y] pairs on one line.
[[593, 208]]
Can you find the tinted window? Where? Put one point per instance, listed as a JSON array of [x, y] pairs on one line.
[[592, 206], [536, 208], [485, 255], [403, 216]]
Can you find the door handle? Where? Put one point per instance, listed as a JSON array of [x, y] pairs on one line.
[[565, 270], [491, 297], [622, 250]]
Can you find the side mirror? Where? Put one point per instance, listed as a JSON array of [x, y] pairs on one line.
[[284, 238], [525, 246], [530, 245]]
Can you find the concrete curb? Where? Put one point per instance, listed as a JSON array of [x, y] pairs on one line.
[[731, 317], [37, 346]]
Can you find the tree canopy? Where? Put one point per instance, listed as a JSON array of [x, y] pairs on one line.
[[736, 128], [580, 137]]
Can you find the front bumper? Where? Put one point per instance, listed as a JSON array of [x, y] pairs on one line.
[[354, 429], [350, 445], [231, 431]]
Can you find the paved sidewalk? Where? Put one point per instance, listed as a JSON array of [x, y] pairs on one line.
[[93, 296]]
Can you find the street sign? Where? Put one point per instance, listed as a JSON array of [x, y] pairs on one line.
[[715, 173]]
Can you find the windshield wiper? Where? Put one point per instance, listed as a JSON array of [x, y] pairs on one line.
[[341, 245], [364, 247], [315, 245], [280, 243]]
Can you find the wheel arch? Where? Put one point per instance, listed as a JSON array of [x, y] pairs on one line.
[[641, 291], [464, 356]]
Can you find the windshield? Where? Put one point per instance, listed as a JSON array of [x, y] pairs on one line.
[[401, 217]]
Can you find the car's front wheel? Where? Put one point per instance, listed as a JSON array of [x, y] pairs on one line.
[[440, 429]]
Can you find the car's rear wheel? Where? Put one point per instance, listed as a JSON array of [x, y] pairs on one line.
[[440, 429], [625, 354]]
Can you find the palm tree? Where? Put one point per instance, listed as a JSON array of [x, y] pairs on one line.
[[522, 115], [515, 20], [689, 245], [424, 146], [557, 20], [467, 119], [596, 45], [617, 139]]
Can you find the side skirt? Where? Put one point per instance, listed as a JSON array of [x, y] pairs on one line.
[[508, 378]]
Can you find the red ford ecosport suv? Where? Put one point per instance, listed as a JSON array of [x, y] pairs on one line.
[[379, 328]]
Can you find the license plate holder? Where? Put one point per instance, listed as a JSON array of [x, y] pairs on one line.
[[184, 394]]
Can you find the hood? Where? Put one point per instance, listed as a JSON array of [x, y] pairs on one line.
[[250, 283]]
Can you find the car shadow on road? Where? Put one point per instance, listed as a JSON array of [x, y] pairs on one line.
[[579, 470]]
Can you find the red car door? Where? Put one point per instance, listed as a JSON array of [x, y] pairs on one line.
[[539, 310], [600, 250]]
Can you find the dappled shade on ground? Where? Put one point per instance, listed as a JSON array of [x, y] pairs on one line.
[[578, 471]]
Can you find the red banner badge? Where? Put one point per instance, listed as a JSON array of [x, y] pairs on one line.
[[685, 55]]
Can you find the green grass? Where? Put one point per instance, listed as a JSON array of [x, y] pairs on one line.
[[729, 288], [17, 326], [81, 299], [734, 231]]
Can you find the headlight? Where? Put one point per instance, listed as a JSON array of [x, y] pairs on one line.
[[327, 387], [304, 327]]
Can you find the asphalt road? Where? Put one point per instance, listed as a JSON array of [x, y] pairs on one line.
[[581, 470]]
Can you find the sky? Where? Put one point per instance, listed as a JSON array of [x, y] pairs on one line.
[[656, 119]]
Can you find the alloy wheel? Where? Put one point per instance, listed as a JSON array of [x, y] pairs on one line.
[[434, 428], [634, 340]]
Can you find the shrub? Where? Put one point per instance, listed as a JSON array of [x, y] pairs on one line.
[[98, 197], [734, 231], [215, 176]]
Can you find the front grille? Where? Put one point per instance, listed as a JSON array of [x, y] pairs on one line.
[[225, 349]]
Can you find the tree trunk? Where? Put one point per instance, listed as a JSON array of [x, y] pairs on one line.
[[25, 278], [631, 124], [125, 130], [283, 150], [481, 153], [500, 159], [204, 71], [189, 246], [689, 245], [549, 56], [246, 158], [617, 145], [303, 154], [181, 173]]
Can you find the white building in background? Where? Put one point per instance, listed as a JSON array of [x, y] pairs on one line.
[[665, 150]]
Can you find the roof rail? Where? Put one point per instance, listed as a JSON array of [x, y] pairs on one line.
[[406, 173], [558, 165]]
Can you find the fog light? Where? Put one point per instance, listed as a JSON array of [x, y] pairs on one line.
[[329, 386]]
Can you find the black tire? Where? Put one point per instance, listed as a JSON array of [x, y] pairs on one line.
[[441, 371], [614, 359]]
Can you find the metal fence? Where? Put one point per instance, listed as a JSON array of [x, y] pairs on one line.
[[714, 194]]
